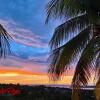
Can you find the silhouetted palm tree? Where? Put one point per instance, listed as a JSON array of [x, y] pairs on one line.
[[78, 38], [4, 42]]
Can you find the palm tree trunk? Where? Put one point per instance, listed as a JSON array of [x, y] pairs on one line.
[[75, 95], [97, 90]]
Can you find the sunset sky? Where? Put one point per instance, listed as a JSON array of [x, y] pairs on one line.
[[25, 21]]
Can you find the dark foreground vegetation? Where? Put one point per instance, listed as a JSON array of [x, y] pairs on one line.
[[24, 92]]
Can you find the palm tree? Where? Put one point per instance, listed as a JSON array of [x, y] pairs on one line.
[[4, 42], [78, 38]]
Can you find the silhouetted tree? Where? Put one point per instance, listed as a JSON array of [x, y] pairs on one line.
[[78, 38]]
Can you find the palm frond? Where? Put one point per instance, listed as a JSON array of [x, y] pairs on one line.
[[97, 70], [87, 63], [63, 8], [71, 8], [85, 66], [65, 30], [4, 42], [91, 5], [64, 55]]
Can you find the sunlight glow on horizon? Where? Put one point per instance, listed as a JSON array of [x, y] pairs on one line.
[[9, 74], [25, 77]]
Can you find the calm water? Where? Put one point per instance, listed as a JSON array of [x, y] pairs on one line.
[[68, 86]]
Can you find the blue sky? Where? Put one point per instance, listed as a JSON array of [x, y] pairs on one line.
[[25, 21]]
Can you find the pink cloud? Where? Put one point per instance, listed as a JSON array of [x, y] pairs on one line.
[[12, 62], [23, 36]]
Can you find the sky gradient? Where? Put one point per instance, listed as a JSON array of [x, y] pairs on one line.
[[25, 21]]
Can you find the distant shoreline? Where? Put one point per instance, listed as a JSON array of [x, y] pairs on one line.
[[90, 87]]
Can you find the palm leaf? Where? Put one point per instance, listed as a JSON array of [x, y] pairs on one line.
[[87, 63], [65, 30], [60, 8], [91, 5], [4, 42], [64, 55], [97, 71], [65, 8]]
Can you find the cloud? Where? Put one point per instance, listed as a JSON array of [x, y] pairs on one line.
[[42, 59], [12, 62], [30, 44], [24, 36]]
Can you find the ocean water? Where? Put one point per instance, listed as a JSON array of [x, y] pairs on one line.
[[91, 87]]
